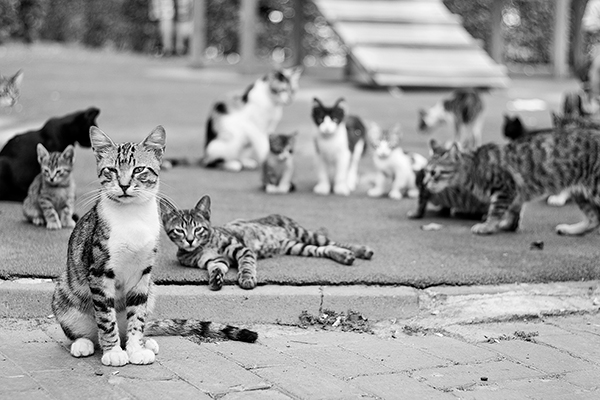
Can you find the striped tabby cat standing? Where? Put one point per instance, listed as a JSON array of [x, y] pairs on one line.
[[239, 243], [105, 295]]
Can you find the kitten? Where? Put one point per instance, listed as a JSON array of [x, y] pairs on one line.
[[523, 170], [392, 161], [340, 143], [452, 201], [18, 158], [51, 198], [105, 295], [278, 168], [240, 243], [237, 131], [463, 109], [10, 89]]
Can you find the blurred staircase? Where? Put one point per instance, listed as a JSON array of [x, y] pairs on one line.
[[410, 43]]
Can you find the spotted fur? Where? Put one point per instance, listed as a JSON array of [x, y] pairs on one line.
[[10, 89], [50, 201], [237, 130], [523, 170], [278, 168], [240, 243]]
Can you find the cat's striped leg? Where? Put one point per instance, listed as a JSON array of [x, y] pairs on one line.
[[33, 212], [50, 214], [102, 287], [246, 262], [424, 196], [217, 267], [317, 239], [499, 205], [590, 209], [334, 252], [138, 301], [510, 221]]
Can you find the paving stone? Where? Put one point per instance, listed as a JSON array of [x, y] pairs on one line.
[[394, 355], [338, 361], [206, 370], [534, 389], [250, 356], [587, 379], [40, 356], [456, 376], [539, 356], [76, 385], [583, 344], [391, 386], [307, 382], [160, 389], [17, 383], [37, 394], [584, 323], [256, 395], [451, 349]]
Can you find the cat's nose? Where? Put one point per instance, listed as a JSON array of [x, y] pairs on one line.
[[124, 188]]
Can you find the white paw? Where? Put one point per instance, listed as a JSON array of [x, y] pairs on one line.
[[271, 189], [115, 358], [82, 347], [484, 229], [249, 163], [558, 200], [68, 223], [395, 194], [352, 183], [142, 356], [323, 189], [38, 221], [54, 225], [233, 166], [412, 193], [151, 345], [374, 192], [341, 189]]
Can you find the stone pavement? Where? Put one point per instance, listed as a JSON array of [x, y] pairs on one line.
[[551, 358]]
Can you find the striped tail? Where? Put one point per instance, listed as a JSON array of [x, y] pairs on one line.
[[193, 327]]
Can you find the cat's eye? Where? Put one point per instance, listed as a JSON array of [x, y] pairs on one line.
[[200, 230], [138, 170], [107, 172], [178, 231]]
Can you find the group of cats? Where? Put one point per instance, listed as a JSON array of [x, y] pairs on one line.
[[105, 294]]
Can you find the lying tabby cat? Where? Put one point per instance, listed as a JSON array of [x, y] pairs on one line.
[[105, 294], [51, 197], [241, 242], [523, 170]]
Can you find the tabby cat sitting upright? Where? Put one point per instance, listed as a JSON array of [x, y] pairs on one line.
[[10, 89], [51, 198], [237, 131], [278, 168], [240, 243], [18, 158], [340, 143], [523, 170], [391, 161], [105, 295], [463, 109]]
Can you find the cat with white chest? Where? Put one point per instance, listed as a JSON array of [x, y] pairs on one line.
[[278, 168], [391, 161], [340, 144], [237, 130]]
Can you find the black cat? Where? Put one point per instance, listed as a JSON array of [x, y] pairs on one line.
[[18, 158], [513, 128]]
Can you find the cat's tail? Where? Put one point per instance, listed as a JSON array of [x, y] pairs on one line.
[[194, 327]]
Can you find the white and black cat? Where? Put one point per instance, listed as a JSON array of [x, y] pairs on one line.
[[237, 130], [340, 143], [463, 109]]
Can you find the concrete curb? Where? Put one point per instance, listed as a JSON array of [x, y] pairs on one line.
[[30, 298]]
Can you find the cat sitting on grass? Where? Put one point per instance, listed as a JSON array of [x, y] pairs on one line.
[[240, 243], [50, 200], [391, 161], [523, 170], [105, 295]]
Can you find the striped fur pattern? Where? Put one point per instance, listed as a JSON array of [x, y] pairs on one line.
[[524, 170], [278, 168], [451, 201], [464, 109], [10, 89], [340, 143], [237, 130], [105, 295], [393, 163], [240, 243], [50, 200]]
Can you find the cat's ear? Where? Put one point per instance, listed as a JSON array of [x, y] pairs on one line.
[[68, 153], [156, 139], [317, 103], [166, 208], [203, 206], [396, 130], [341, 103], [455, 152], [41, 152], [435, 148], [100, 141], [293, 74], [556, 120], [17, 78]]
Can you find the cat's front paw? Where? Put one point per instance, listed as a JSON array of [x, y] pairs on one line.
[[215, 280], [558, 200], [341, 189], [38, 221], [53, 225], [364, 252], [343, 256], [323, 188], [395, 194], [414, 214], [233, 166], [82, 347], [249, 163], [142, 356], [247, 281], [484, 229], [151, 344], [116, 357], [68, 223], [374, 192], [412, 193]]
